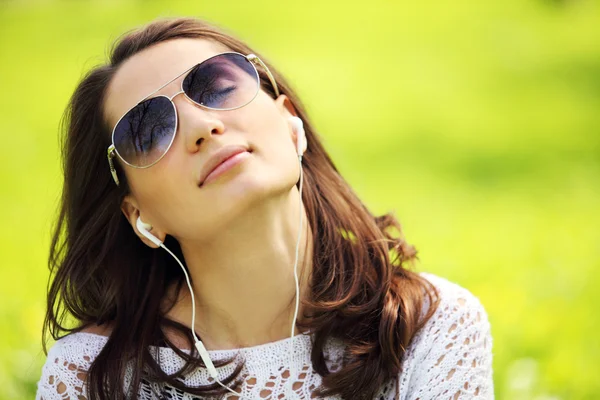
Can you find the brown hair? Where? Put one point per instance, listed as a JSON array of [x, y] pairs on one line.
[[95, 257]]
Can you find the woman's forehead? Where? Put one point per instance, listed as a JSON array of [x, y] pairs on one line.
[[146, 71]]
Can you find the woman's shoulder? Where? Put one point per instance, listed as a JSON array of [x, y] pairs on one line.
[[454, 299], [82, 345], [79, 345], [453, 350], [458, 308], [68, 360]]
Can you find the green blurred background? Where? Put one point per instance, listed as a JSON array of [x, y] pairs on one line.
[[477, 122]]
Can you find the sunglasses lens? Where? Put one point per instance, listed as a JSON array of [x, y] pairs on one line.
[[146, 132], [222, 82]]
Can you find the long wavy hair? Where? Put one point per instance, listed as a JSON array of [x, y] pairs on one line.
[[361, 290]]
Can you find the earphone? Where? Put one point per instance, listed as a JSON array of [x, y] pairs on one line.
[[144, 229], [298, 126]]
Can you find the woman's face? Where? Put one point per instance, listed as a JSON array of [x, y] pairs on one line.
[[168, 194]]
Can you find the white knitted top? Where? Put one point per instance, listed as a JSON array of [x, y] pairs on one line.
[[450, 358]]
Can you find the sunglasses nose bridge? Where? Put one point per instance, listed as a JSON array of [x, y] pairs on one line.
[[178, 93]]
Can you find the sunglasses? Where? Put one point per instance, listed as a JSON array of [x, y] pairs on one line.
[[144, 134]]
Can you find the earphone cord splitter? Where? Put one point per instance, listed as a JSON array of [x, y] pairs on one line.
[[198, 343]]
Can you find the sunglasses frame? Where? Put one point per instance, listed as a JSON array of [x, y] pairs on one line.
[[252, 58]]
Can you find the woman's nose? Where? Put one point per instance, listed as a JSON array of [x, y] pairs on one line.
[[196, 124]]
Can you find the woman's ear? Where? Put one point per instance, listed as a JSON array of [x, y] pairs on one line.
[[131, 211], [285, 106], [289, 112]]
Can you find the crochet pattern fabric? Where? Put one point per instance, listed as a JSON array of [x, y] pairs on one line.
[[450, 358]]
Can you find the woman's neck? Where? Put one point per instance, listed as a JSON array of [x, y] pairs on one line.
[[244, 280]]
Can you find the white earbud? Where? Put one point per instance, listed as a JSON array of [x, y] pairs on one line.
[[144, 228], [299, 129]]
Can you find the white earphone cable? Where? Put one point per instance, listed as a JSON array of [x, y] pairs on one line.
[[292, 354], [198, 343]]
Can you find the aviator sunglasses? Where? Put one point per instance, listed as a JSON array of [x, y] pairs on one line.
[[144, 134]]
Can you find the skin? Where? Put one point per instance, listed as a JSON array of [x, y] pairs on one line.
[[238, 232]]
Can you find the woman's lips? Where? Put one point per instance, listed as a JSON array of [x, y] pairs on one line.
[[226, 166]]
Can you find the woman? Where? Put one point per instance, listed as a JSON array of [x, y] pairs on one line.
[[198, 195]]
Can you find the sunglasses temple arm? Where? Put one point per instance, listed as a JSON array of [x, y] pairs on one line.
[[110, 155], [254, 58]]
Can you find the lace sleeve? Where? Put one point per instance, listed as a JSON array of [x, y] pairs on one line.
[[454, 358], [64, 372]]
